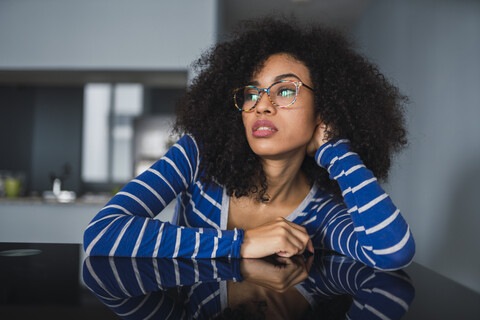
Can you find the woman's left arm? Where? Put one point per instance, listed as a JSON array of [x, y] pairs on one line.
[[371, 229]]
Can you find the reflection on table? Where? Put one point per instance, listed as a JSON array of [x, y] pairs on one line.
[[324, 286]]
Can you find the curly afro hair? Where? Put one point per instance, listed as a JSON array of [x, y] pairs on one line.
[[353, 98]]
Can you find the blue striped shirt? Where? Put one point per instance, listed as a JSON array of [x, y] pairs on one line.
[[134, 287], [365, 226]]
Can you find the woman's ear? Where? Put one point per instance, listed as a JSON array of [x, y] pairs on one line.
[[318, 120]]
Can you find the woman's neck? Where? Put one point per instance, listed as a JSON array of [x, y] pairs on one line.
[[285, 179]]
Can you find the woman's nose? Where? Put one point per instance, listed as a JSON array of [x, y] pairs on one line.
[[264, 104]]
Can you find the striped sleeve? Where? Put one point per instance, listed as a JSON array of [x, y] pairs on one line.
[[125, 226], [376, 294], [370, 228]]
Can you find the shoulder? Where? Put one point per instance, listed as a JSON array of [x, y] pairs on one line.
[[326, 202]]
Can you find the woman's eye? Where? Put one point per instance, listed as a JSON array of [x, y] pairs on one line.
[[251, 96], [286, 93]]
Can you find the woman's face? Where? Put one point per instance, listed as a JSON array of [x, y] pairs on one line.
[[274, 132]]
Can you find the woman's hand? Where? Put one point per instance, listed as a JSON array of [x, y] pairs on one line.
[[318, 139], [276, 273], [280, 237]]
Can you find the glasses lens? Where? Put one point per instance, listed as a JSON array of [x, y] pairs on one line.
[[283, 93], [246, 97]]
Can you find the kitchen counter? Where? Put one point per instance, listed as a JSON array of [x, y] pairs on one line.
[[36, 220]]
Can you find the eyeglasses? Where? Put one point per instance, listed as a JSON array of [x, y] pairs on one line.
[[281, 94]]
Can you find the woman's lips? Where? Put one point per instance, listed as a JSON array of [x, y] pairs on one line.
[[263, 128]]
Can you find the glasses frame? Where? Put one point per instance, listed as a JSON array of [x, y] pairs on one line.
[[297, 84]]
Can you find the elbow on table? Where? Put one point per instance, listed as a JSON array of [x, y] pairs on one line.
[[397, 260]]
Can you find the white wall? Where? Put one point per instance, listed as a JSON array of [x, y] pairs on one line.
[[104, 34], [432, 49]]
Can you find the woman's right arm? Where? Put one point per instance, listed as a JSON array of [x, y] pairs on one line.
[[125, 226]]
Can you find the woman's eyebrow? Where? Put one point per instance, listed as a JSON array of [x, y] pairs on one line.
[[277, 78], [286, 75]]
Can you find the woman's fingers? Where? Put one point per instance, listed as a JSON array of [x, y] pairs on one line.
[[279, 237]]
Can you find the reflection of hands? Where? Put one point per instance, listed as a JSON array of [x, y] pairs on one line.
[[280, 237], [276, 273], [318, 139]]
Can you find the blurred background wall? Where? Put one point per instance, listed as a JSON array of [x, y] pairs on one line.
[[50, 49]]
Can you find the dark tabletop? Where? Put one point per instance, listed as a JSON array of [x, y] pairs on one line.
[[54, 281]]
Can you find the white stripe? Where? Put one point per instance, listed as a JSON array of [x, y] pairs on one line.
[[117, 305], [384, 223], [159, 239], [137, 308], [355, 282], [164, 180], [363, 184], [195, 268], [341, 141], [396, 299], [206, 196], [368, 279], [333, 231], [184, 214], [137, 276], [349, 171], [372, 203], [103, 218], [139, 239], [177, 272], [116, 206], [376, 312], [369, 248], [396, 247], [215, 247], [201, 215], [117, 276], [155, 193], [215, 270], [358, 304], [174, 166], [340, 235], [356, 251], [368, 257], [352, 209], [97, 238], [179, 147], [171, 310], [156, 309], [177, 242], [97, 279], [321, 152], [127, 194], [359, 229], [346, 278], [346, 191], [198, 156], [354, 168], [119, 237], [332, 162], [348, 244], [157, 273], [309, 220], [328, 213], [197, 245], [204, 302], [346, 155]]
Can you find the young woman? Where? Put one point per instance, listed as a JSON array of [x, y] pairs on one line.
[[286, 131]]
